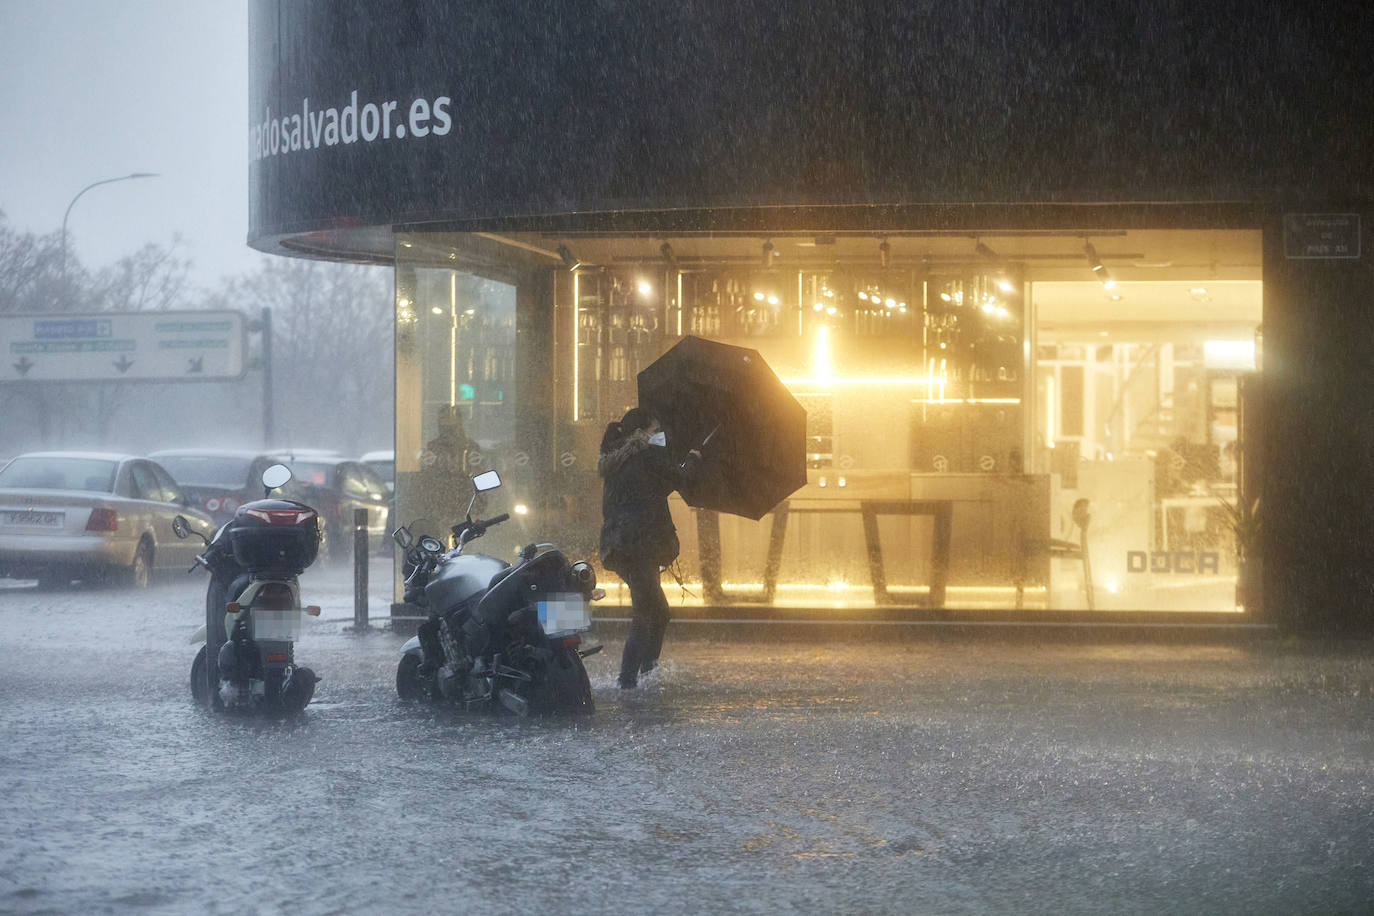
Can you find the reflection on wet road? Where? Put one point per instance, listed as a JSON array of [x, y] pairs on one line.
[[932, 771]]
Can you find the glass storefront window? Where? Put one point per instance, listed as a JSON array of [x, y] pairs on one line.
[[975, 418]]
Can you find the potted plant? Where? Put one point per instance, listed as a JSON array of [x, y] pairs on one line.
[[1244, 517]]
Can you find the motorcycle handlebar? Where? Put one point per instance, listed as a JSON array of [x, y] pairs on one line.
[[494, 520]]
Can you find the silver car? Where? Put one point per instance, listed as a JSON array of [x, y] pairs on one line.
[[79, 515]]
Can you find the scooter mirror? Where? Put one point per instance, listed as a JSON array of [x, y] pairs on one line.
[[487, 480], [180, 527], [276, 476], [403, 537]]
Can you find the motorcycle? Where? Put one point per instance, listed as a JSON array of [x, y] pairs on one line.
[[499, 638], [253, 612]]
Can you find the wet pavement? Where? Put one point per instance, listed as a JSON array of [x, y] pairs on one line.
[[930, 770]]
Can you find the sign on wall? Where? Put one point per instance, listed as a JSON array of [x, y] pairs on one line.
[[1321, 235], [123, 346]]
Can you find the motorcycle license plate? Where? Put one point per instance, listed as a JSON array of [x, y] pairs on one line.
[[564, 613]]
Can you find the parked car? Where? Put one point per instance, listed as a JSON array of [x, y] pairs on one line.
[[82, 515], [383, 462], [217, 480], [335, 487]]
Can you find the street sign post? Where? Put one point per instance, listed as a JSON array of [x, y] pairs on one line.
[[123, 346]]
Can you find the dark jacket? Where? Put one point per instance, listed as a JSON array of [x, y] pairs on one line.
[[637, 478]]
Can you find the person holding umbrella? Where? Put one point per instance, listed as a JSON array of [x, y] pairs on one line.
[[638, 539]]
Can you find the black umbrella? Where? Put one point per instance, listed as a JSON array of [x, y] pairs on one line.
[[726, 401]]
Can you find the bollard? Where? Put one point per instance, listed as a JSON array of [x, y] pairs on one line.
[[360, 547]]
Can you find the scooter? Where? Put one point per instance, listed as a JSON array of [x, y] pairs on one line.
[[253, 612], [499, 638]]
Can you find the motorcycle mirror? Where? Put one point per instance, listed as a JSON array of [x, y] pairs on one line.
[[487, 480], [276, 476], [180, 527], [403, 537]]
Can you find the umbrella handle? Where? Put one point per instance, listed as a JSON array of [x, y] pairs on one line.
[[709, 436]]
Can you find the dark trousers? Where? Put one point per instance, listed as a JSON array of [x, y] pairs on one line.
[[649, 620]]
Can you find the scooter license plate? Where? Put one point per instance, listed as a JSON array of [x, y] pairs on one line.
[[564, 613], [281, 626]]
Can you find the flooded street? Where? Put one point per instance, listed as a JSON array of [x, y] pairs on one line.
[[924, 770]]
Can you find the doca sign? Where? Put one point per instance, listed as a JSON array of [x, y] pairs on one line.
[[122, 346], [1173, 561]]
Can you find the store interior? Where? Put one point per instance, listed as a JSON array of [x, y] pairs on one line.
[[1061, 413]]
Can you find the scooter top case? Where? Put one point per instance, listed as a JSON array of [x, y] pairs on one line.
[[275, 536]]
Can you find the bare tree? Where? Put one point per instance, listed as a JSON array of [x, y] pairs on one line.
[[332, 348], [30, 271]]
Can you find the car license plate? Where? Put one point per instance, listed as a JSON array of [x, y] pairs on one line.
[[38, 519]]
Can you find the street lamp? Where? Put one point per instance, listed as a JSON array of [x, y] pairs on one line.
[[78, 197]]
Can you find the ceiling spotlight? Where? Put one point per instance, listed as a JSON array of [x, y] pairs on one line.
[[1001, 276], [569, 261], [767, 253], [884, 254], [1098, 268]]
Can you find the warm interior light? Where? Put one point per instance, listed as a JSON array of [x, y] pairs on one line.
[[521, 509], [577, 326], [821, 366], [886, 380], [1049, 409], [1233, 355], [645, 287]]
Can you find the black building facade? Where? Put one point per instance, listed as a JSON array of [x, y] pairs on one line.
[[1005, 271]]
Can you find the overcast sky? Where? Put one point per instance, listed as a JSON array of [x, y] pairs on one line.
[[94, 89]]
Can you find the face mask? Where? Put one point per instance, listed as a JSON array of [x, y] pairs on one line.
[[658, 439]]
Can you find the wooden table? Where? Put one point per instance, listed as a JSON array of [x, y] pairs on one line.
[[942, 511]]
